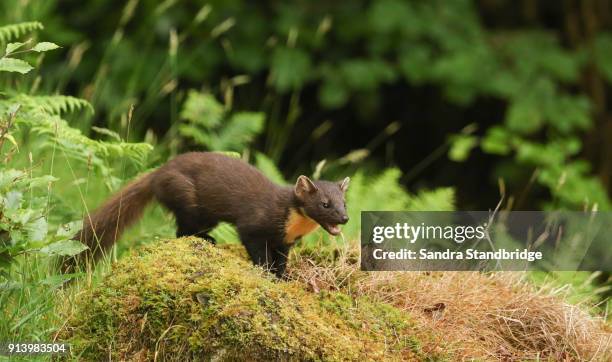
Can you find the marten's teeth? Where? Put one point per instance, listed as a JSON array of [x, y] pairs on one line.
[[334, 229]]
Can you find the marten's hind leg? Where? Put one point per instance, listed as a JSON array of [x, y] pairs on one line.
[[188, 226], [177, 193]]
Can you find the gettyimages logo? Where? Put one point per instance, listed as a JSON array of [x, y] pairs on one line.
[[412, 233]]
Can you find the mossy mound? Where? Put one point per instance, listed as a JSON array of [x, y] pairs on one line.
[[184, 299]]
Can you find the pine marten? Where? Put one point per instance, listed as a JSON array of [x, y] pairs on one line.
[[202, 189]]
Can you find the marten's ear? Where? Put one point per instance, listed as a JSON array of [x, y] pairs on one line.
[[303, 187], [344, 184]]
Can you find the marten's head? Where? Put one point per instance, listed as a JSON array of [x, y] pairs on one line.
[[323, 201]]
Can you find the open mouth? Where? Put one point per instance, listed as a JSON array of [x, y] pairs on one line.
[[333, 229]]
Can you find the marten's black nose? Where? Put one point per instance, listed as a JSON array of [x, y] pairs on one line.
[[345, 219]]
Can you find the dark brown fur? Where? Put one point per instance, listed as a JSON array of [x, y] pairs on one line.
[[203, 189]]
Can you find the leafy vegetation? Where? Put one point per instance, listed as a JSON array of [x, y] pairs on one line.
[[29, 236], [351, 63], [23, 208], [24, 227], [209, 126]]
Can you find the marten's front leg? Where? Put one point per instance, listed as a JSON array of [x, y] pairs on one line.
[[279, 263], [266, 251]]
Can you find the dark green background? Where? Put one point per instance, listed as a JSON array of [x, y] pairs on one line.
[[529, 79]]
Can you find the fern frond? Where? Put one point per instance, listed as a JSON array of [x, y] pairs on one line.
[[267, 166], [40, 114], [13, 31], [55, 105], [78, 146], [440, 199]]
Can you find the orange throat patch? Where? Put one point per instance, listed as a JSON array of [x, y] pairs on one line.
[[298, 225]]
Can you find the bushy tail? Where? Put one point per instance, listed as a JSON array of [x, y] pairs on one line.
[[104, 226]]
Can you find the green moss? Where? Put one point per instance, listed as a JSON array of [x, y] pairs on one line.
[[187, 298]]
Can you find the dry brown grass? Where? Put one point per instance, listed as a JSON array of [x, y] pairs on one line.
[[493, 316]]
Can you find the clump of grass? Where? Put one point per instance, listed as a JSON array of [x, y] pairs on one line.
[[185, 299], [493, 316]]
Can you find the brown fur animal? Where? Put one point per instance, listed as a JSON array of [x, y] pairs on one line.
[[202, 189]]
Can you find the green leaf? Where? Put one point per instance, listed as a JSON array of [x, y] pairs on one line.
[[231, 154], [7, 177], [461, 146], [107, 132], [42, 181], [568, 113], [11, 47], [13, 31], [45, 46], [68, 230], [13, 200], [58, 279], [441, 199], [415, 63], [290, 68], [388, 15], [24, 216], [366, 74], [37, 229], [524, 116], [239, 131], [497, 141], [203, 109], [226, 232], [333, 94], [195, 133], [267, 166], [64, 247], [14, 65]]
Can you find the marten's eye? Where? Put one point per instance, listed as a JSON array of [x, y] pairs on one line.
[[325, 204]]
